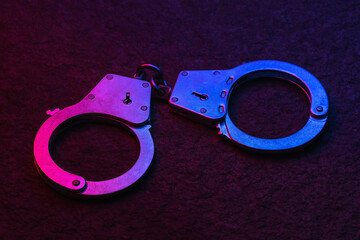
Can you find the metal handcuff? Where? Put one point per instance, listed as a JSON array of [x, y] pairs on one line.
[[201, 95]]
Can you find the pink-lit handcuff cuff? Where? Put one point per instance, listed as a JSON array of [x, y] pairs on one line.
[[201, 95]]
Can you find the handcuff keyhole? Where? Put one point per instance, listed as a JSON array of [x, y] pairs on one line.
[[127, 100], [201, 96]]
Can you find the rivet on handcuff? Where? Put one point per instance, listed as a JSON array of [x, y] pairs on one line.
[[201, 95]]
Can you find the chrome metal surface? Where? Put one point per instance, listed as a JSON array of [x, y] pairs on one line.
[[52, 112], [116, 99], [217, 86]]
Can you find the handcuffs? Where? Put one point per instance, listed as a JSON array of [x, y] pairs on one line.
[[201, 95]]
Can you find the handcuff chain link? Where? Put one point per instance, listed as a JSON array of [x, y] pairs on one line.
[[162, 89]]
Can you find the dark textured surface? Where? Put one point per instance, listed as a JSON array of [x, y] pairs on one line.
[[199, 186]]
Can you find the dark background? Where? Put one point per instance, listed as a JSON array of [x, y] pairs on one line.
[[200, 186]]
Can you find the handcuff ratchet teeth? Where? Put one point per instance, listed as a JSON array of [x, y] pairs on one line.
[[204, 95], [117, 99]]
